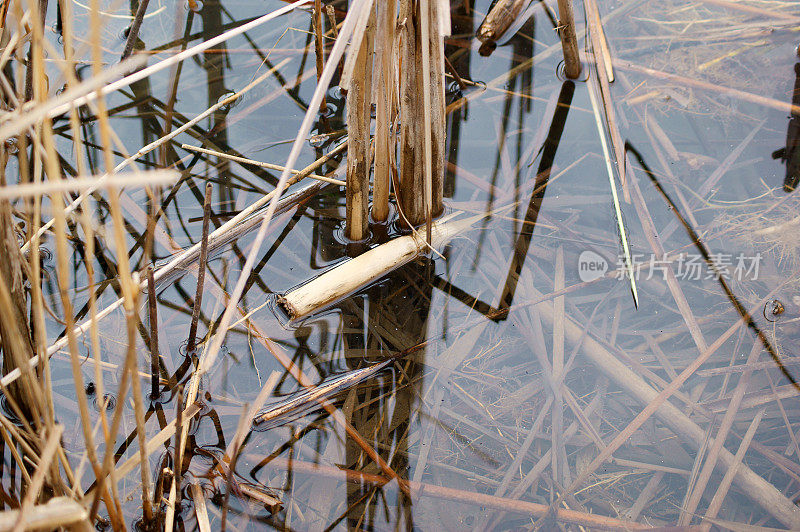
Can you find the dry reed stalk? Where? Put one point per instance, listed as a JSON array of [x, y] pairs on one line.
[[569, 40], [384, 91], [747, 8], [200, 508], [181, 433], [153, 177], [319, 47], [596, 24], [425, 36], [359, 91], [604, 78], [56, 513], [244, 160], [421, 95], [704, 85], [238, 225], [502, 15], [411, 156], [160, 141], [349, 276], [45, 459], [201, 272], [14, 330], [99, 86], [440, 28], [319, 393], [559, 464]]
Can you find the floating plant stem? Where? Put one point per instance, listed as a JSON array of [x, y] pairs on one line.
[[349, 276]]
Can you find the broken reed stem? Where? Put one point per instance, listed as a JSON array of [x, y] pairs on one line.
[[569, 41], [201, 273], [349, 276], [57, 514], [384, 148], [358, 127], [502, 15], [152, 313], [133, 29], [319, 47]]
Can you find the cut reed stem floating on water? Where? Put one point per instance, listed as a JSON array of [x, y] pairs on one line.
[[348, 277]]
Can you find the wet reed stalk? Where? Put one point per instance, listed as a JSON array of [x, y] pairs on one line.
[[569, 41], [421, 112], [358, 125], [178, 463], [384, 148], [201, 273], [411, 153], [133, 29], [152, 313], [319, 47]]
